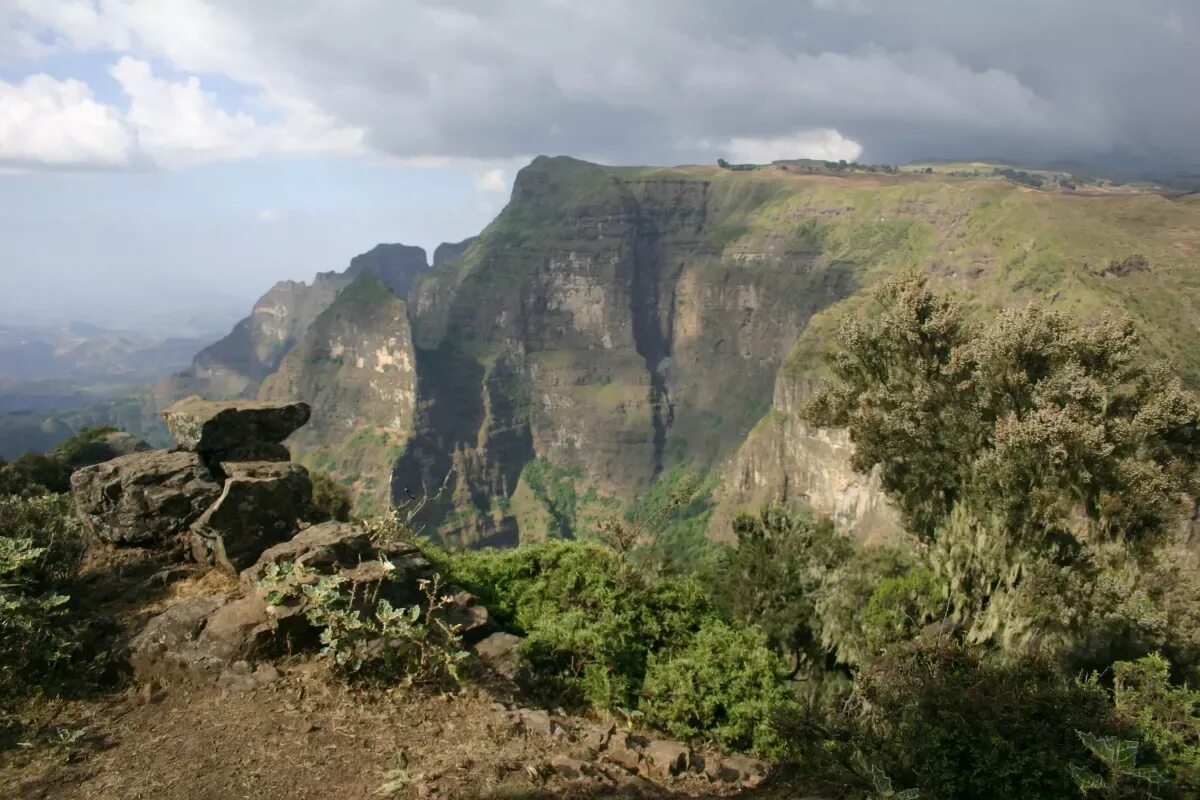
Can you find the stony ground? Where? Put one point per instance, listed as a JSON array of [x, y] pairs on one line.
[[305, 736]]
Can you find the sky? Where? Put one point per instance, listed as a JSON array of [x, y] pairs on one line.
[[166, 161]]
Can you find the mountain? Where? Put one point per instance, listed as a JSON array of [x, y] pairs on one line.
[[236, 365], [617, 327]]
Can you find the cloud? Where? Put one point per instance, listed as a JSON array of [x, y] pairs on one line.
[[491, 181], [59, 124], [824, 144], [271, 215], [459, 79]]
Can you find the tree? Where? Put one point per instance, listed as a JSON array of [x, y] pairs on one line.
[[774, 575], [1060, 429], [1031, 453]]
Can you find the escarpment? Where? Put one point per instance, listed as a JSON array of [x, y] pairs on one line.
[[615, 325]]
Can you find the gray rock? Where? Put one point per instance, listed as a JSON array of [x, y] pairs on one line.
[[570, 768], [470, 616], [143, 498], [323, 548], [741, 770], [665, 758], [597, 736], [167, 646], [260, 506], [210, 427], [622, 751], [499, 653], [536, 721]]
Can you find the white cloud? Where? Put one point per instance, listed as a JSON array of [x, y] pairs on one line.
[[271, 215], [824, 144], [60, 123], [491, 181]]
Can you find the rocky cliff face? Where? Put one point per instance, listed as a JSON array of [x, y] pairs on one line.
[[355, 367], [606, 324], [615, 325], [236, 365]]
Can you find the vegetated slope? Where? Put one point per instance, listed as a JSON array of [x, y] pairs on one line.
[[614, 326]]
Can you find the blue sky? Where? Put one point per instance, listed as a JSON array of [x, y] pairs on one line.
[[167, 160]]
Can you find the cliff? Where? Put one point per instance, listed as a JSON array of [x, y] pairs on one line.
[[615, 325]]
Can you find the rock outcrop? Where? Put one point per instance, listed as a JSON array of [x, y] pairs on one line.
[[205, 497], [224, 430], [145, 498], [262, 504], [218, 638]]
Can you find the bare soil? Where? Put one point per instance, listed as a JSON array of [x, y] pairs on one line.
[[302, 737]]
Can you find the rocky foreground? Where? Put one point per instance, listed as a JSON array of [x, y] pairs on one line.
[[224, 515]]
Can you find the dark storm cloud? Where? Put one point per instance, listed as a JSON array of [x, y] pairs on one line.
[[675, 80]]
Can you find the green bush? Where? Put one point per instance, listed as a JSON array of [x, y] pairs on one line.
[[900, 606], [935, 716], [331, 500], [1166, 717], [367, 638], [33, 474], [724, 683], [40, 639], [590, 619], [772, 578]]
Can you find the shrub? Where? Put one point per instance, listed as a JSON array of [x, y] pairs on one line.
[[724, 683], [367, 638], [934, 715], [590, 619], [900, 606], [331, 500], [1166, 717], [40, 548], [33, 474], [773, 576]]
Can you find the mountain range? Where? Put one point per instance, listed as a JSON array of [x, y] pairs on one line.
[[618, 330]]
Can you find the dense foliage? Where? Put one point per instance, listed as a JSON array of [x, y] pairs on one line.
[[602, 633], [42, 641]]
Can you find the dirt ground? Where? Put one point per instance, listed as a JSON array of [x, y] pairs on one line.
[[302, 737]]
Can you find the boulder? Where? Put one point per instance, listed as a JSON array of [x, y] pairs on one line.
[[167, 648], [143, 498], [666, 758], [740, 770], [499, 653], [260, 505], [212, 427], [323, 548]]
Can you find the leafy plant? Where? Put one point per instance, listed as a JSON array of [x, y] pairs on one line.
[[42, 641], [1166, 717], [331, 500], [883, 789], [1122, 776]]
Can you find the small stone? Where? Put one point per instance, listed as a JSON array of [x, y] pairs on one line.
[[570, 768], [499, 653], [266, 674], [665, 758], [741, 770], [536, 721], [621, 751], [597, 736]]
